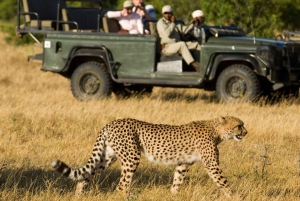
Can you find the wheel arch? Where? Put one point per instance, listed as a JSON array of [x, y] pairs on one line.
[[79, 55], [222, 61]]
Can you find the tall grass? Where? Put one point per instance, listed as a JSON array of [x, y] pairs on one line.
[[41, 121]]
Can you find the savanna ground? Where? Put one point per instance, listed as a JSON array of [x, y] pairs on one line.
[[41, 121]]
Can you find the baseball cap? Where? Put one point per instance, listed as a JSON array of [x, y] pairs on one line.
[[197, 13], [127, 4], [167, 9]]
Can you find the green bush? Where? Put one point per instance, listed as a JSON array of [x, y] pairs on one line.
[[12, 38], [8, 9]]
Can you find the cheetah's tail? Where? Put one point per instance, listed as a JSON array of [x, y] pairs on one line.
[[87, 170], [65, 170], [61, 167]]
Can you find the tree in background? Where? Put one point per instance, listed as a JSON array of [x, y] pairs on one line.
[[8, 9], [265, 15], [269, 17]]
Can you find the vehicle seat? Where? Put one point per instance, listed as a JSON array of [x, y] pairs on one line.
[[39, 15], [110, 25], [66, 23]]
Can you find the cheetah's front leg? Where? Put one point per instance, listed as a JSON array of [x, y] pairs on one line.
[[179, 175], [212, 168]]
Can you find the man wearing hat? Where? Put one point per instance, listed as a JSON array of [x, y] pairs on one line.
[[170, 36], [198, 21], [129, 21]]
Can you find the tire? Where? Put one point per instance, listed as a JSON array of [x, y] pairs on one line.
[[90, 81], [237, 83]]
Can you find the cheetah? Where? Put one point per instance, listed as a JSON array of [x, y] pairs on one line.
[[183, 145]]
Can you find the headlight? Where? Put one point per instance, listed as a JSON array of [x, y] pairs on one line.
[[266, 55]]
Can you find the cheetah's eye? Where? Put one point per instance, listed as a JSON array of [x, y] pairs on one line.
[[239, 127]]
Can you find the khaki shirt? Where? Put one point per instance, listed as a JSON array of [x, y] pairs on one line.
[[170, 32]]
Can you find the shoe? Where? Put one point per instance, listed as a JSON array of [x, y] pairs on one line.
[[196, 65]]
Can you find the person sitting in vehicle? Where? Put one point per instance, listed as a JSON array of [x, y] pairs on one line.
[[130, 21], [196, 25], [145, 11], [170, 36]]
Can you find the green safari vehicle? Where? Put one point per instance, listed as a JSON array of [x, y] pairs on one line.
[[99, 61]]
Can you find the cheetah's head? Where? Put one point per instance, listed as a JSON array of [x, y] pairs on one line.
[[232, 128]]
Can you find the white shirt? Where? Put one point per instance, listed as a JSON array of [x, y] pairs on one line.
[[197, 32], [132, 22]]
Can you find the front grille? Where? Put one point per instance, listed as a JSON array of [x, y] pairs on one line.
[[279, 58], [293, 55]]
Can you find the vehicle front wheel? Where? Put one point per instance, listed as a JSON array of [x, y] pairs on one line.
[[237, 83], [90, 81]]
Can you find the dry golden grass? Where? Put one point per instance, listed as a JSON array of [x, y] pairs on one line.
[[41, 121]]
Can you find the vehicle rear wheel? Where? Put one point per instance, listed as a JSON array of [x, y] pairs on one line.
[[237, 83], [91, 80]]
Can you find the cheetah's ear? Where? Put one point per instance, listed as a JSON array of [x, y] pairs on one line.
[[222, 120]]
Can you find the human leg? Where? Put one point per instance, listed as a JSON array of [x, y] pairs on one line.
[[181, 48], [193, 45]]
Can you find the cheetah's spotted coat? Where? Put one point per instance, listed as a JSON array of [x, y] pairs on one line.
[[126, 139]]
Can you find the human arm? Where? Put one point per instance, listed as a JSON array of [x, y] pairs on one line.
[[186, 29], [113, 14], [145, 11], [142, 11], [165, 29], [192, 30], [140, 26]]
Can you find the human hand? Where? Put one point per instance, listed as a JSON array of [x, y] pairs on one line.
[[195, 21], [173, 18], [123, 12], [141, 8]]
